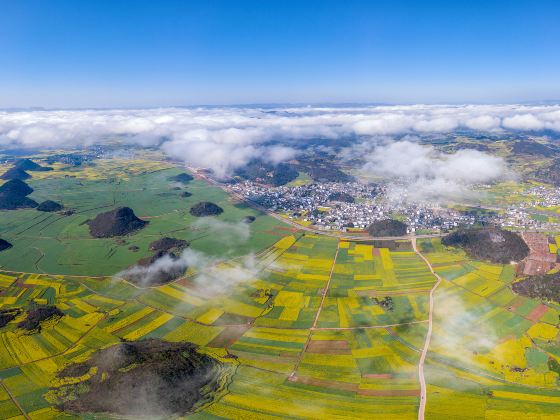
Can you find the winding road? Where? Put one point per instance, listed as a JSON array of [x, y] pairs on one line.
[[421, 377], [412, 238]]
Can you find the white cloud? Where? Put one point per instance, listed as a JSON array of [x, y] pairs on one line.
[[383, 124], [223, 139], [483, 123], [423, 173], [523, 122], [211, 276], [228, 233], [440, 125]]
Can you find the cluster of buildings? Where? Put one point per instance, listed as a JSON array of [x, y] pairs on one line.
[[538, 210], [326, 206], [342, 206]]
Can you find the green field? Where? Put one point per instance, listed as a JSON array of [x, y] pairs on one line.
[[56, 244]]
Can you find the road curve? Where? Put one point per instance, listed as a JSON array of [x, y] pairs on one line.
[[422, 379], [412, 238]]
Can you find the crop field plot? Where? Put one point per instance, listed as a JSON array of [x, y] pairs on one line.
[[297, 279], [375, 286], [492, 351]]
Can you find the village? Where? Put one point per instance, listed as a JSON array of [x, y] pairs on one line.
[[354, 205]]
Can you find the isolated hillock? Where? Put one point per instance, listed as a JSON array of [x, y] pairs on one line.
[[160, 268], [149, 378], [35, 317], [533, 148], [550, 174], [341, 196], [29, 165], [118, 222], [166, 243], [387, 227], [13, 195], [206, 208], [185, 194], [545, 287], [50, 206], [15, 173], [491, 244], [16, 187], [268, 173], [4, 245], [8, 315], [249, 219], [324, 170], [182, 178]]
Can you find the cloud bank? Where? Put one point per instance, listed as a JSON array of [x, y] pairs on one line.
[[224, 139], [428, 174]]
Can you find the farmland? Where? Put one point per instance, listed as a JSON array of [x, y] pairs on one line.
[[286, 337], [61, 244], [283, 349], [301, 325], [491, 350]]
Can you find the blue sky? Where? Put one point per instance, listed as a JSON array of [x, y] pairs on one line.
[[155, 53]]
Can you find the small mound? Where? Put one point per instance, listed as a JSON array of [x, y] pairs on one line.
[[161, 268], [118, 222], [183, 178], [148, 378], [35, 317], [491, 244], [166, 243], [8, 315], [29, 165], [13, 195], [249, 219], [185, 194], [16, 187], [342, 197], [4, 244], [15, 202], [387, 227], [267, 173], [545, 287], [50, 206], [15, 173], [206, 208]]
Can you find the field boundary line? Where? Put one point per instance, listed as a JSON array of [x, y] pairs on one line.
[[324, 295], [14, 400]]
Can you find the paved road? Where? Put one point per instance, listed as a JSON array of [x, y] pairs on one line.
[[412, 238], [423, 393]]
